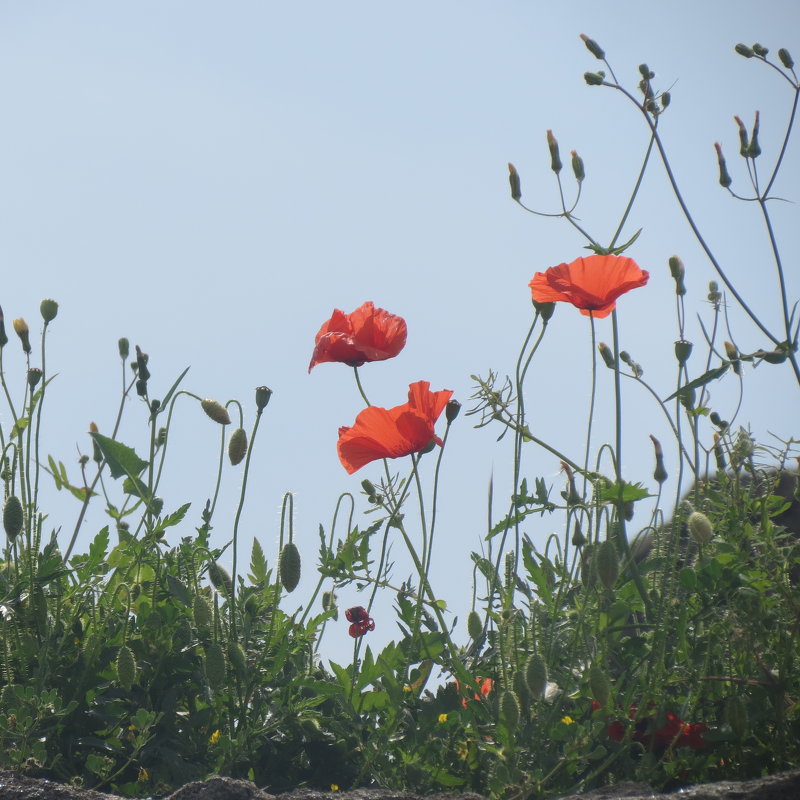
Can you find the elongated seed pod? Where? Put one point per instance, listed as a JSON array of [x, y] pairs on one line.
[[126, 667], [536, 675], [289, 565], [13, 517], [237, 446], [215, 665]]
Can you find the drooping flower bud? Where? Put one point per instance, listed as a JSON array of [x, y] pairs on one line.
[[700, 527], [683, 350], [124, 348], [744, 144], [513, 179], [786, 59], [607, 355], [578, 539], [216, 411], [544, 310], [660, 472], [555, 158], [595, 78], [289, 566], [22, 330], [725, 179], [452, 410], [263, 394], [237, 446], [48, 310], [577, 167], [593, 47], [744, 50]]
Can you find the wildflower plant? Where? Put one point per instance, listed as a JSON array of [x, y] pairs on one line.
[[617, 650]]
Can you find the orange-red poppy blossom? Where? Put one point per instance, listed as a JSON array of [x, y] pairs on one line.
[[393, 432], [367, 334], [591, 283]]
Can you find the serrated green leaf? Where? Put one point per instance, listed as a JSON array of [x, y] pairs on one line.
[[175, 518], [625, 492], [705, 378], [258, 563], [136, 487], [121, 459]]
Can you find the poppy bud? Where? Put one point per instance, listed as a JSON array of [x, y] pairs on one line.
[[509, 709], [125, 667], [666, 98], [577, 167], [513, 179], [724, 176], [237, 446], [660, 472], [744, 50], [754, 151], [124, 348], [34, 376], [215, 665], [220, 578], [22, 330], [544, 310], [700, 527], [594, 78], [289, 566], [536, 675], [474, 625], [48, 310], [786, 59], [683, 350], [201, 611], [13, 517], [555, 158], [593, 47], [216, 411], [760, 50], [608, 356], [451, 410], [607, 563], [578, 539], [237, 657], [744, 146], [263, 394]]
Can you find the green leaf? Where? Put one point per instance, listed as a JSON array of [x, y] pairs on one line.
[[174, 386], [121, 459], [172, 519], [258, 563], [625, 492], [178, 590], [707, 377], [136, 487]]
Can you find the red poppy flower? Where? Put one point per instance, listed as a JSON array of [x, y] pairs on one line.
[[368, 334], [393, 432], [591, 284], [675, 732], [362, 622], [484, 687]]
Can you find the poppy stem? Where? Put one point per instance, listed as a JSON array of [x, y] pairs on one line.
[[360, 387]]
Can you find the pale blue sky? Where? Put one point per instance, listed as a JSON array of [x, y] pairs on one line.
[[211, 180]]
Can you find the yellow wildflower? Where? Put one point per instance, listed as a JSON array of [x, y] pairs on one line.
[[214, 738], [334, 787], [568, 720], [442, 717]]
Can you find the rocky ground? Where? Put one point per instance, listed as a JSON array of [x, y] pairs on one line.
[[784, 786]]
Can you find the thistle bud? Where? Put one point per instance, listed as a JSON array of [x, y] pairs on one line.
[[594, 78], [660, 472], [760, 50], [607, 355], [744, 145], [48, 310], [513, 179], [124, 348], [555, 158], [593, 47], [725, 179], [237, 446], [544, 310], [216, 411], [754, 151], [744, 50], [577, 167], [683, 350], [22, 330], [34, 376], [263, 394], [700, 527], [786, 59], [452, 410]]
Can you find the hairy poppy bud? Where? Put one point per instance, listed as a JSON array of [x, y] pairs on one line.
[[594, 78], [451, 410], [725, 179], [677, 271], [34, 376], [660, 472], [509, 709], [536, 675], [263, 394], [666, 98], [289, 566], [48, 310], [544, 310], [607, 563], [220, 578], [237, 657], [13, 517], [577, 167], [744, 50], [754, 151], [126, 667], [474, 625], [593, 47], [124, 347], [786, 59], [215, 665], [700, 527], [744, 144], [237, 446], [607, 355], [513, 179], [683, 350], [216, 411], [22, 330], [201, 611], [555, 158]]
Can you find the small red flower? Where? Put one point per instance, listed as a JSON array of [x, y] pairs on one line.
[[362, 622], [591, 284], [394, 432], [485, 686], [368, 334], [675, 732]]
